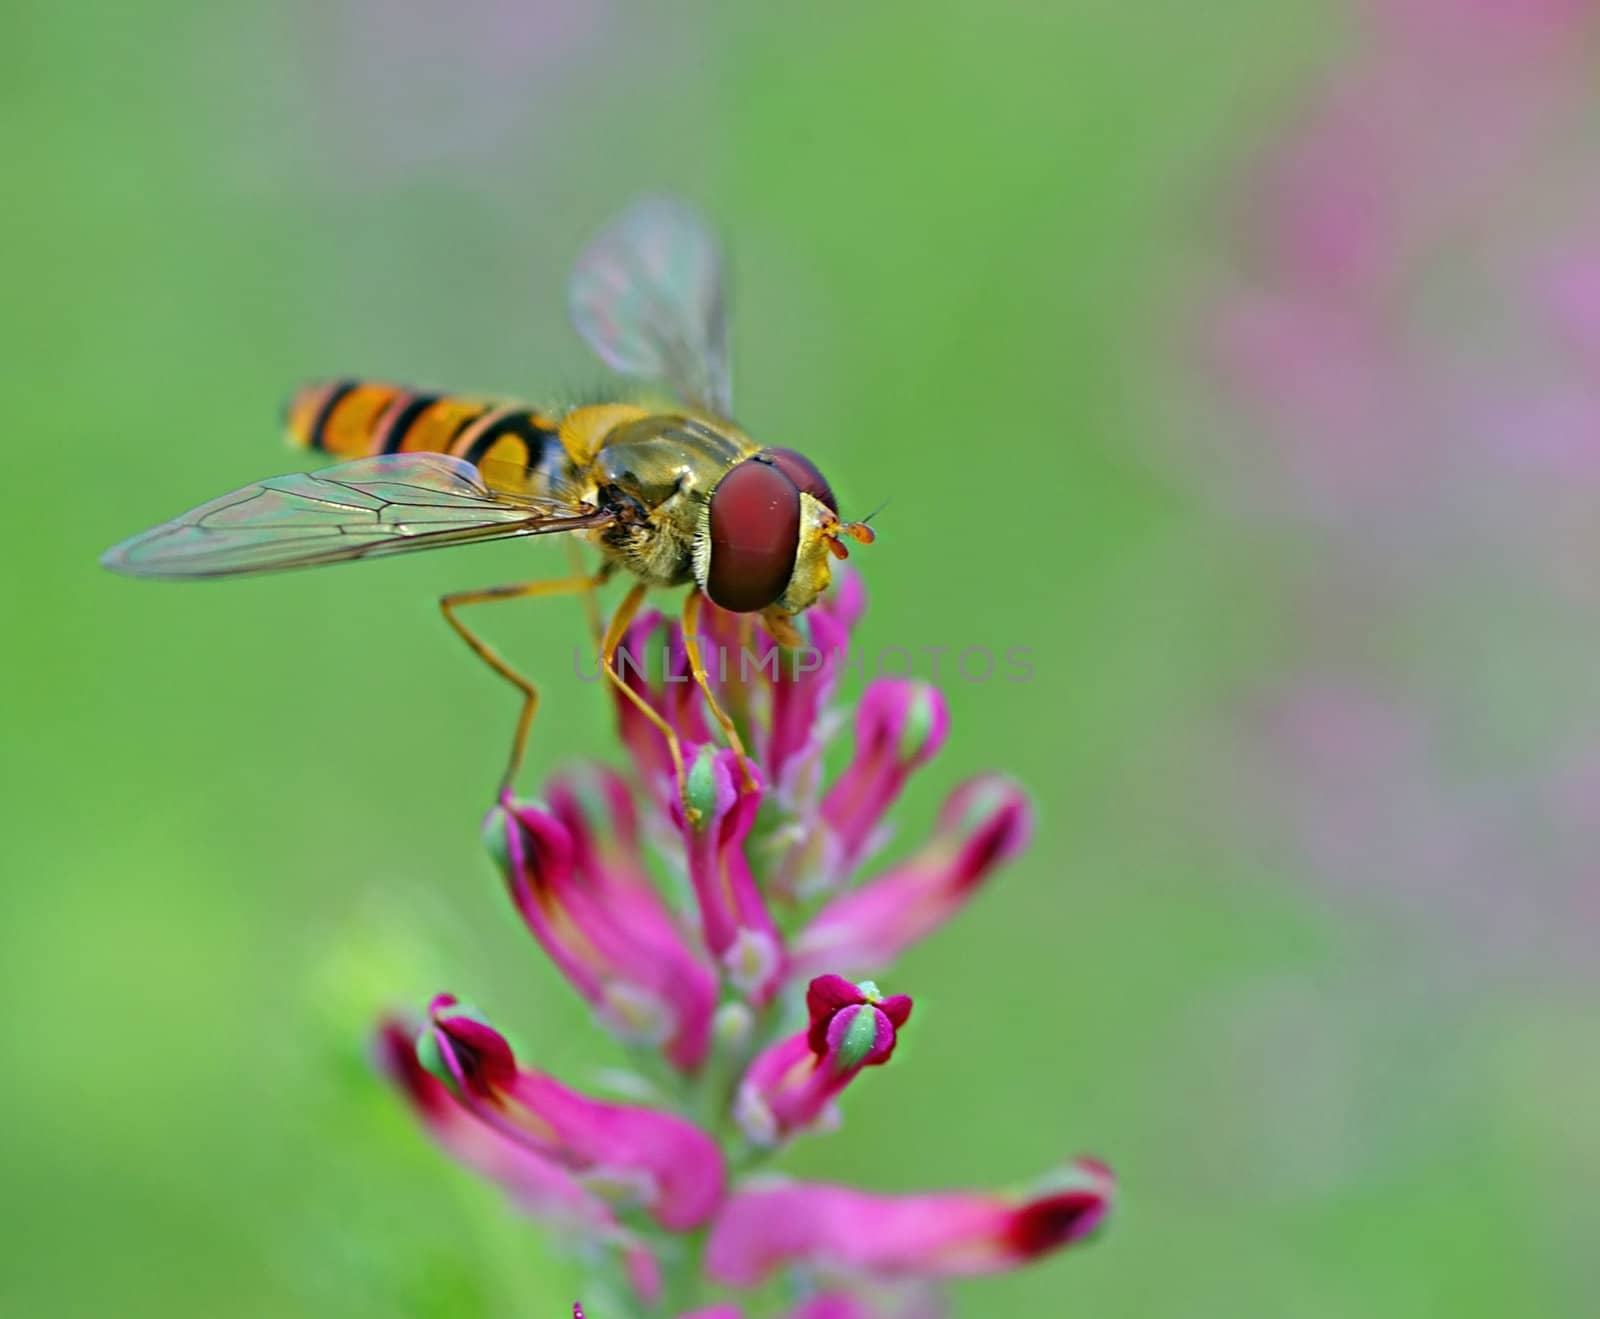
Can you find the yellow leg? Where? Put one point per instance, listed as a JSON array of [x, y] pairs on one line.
[[691, 646], [591, 605], [530, 694], [608, 654]]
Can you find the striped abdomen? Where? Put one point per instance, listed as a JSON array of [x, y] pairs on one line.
[[359, 419]]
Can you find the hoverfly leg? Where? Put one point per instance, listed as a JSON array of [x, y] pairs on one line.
[[780, 629], [483, 650], [608, 656], [591, 605], [691, 646]]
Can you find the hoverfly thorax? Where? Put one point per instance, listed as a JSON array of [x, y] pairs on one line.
[[768, 534]]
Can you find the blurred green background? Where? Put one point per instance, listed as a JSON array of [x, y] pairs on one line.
[[241, 819]]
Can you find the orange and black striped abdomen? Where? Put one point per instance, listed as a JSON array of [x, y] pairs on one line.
[[360, 418]]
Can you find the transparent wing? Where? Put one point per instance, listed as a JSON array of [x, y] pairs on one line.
[[356, 510], [647, 296]]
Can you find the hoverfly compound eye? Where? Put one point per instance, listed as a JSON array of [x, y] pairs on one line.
[[753, 529], [803, 472]]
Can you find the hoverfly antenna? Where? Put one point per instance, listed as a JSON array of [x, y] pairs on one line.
[[859, 532]]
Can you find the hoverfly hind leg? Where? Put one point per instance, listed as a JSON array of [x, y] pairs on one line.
[[489, 655]]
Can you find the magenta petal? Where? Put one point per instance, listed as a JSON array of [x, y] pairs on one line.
[[846, 600], [800, 692], [477, 1054], [535, 1184], [897, 1007], [770, 1101], [831, 1305], [714, 1312], [825, 996], [900, 726], [791, 1085], [738, 927], [839, 1228], [983, 824], [659, 1159], [652, 662], [680, 1165], [588, 901]]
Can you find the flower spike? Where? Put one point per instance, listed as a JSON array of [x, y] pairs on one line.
[[658, 901]]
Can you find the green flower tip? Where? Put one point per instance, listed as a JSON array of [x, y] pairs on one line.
[[432, 1057], [496, 825], [700, 789], [465, 1012], [919, 725], [859, 1038]]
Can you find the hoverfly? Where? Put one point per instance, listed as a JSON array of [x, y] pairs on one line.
[[673, 494]]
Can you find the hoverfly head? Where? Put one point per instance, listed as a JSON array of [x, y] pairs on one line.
[[768, 533]]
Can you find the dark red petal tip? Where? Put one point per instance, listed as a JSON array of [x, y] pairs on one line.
[[483, 1054], [1056, 1220]]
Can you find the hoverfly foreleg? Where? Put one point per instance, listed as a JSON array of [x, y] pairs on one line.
[[483, 650], [608, 655], [691, 646]]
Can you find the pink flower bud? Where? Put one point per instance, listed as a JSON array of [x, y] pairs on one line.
[[983, 824], [839, 1229], [900, 726], [593, 910], [792, 1084], [801, 687], [738, 928]]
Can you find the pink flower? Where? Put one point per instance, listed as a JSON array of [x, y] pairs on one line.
[[737, 926], [801, 689], [657, 1160], [652, 661], [670, 913], [791, 1085], [984, 823], [844, 1230], [601, 922], [536, 1184], [900, 726]]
